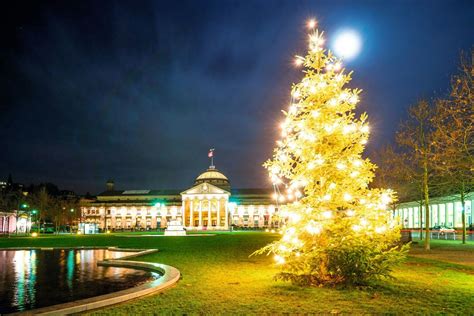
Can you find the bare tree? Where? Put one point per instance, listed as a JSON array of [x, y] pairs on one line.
[[454, 136], [415, 138], [42, 201]]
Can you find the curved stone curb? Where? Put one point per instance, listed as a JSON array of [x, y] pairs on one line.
[[170, 276], [126, 249], [137, 252]]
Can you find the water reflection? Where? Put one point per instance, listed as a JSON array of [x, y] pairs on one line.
[[36, 278]]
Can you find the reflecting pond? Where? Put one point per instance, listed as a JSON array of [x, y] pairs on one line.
[[37, 278]]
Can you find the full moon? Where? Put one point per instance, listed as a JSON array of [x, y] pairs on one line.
[[347, 44]]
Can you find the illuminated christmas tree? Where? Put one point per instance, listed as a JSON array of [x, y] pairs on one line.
[[338, 230]]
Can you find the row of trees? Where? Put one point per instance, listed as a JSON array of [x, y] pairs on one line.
[[44, 203], [434, 148]]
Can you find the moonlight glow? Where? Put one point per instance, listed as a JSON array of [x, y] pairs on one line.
[[347, 44]]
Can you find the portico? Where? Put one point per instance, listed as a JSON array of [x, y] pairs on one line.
[[205, 207]]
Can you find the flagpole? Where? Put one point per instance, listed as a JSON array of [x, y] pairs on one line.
[[211, 155]]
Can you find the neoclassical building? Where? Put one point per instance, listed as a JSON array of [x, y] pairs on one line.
[[210, 204]]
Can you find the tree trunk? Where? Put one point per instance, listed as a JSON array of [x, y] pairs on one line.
[[421, 217], [463, 214], [427, 206]]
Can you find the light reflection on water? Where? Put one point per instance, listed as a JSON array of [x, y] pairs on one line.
[[37, 278]]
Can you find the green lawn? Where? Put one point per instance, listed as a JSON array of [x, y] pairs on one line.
[[219, 277]]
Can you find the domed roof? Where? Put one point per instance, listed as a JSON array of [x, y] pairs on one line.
[[211, 174], [214, 177]]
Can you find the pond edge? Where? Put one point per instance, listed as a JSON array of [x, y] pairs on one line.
[[170, 276]]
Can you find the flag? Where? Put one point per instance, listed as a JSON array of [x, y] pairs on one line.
[[211, 153]]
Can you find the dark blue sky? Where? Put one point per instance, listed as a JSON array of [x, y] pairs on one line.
[[138, 91]]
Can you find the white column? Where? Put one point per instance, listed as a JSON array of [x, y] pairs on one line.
[[200, 213], [191, 214], [446, 215], [209, 223], [226, 225], [218, 213]]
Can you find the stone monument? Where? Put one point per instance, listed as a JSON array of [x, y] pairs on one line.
[[175, 228]]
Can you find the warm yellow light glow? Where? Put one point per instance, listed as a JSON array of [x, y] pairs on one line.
[[34, 234], [332, 102], [344, 96], [298, 61], [311, 24], [295, 217], [354, 174], [349, 128], [353, 99], [385, 198], [313, 229], [279, 259], [347, 197], [275, 169], [319, 160], [327, 214], [357, 162]]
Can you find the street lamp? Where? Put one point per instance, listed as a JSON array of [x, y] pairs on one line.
[[72, 221], [36, 213], [21, 207]]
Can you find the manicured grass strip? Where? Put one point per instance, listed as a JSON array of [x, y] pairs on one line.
[[218, 276]]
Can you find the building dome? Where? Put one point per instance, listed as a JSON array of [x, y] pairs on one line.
[[214, 177]]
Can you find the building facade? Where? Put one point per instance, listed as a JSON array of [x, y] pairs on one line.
[[7, 222], [210, 204], [444, 211]]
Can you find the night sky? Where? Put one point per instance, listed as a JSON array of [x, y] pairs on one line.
[[138, 91]]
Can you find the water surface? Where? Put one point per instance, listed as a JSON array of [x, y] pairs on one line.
[[37, 278]]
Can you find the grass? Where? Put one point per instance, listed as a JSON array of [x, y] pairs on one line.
[[218, 277]]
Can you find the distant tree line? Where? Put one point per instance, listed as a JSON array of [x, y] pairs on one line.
[[45, 204], [434, 148]]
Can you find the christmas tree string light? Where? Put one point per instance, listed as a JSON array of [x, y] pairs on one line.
[[337, 229]]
